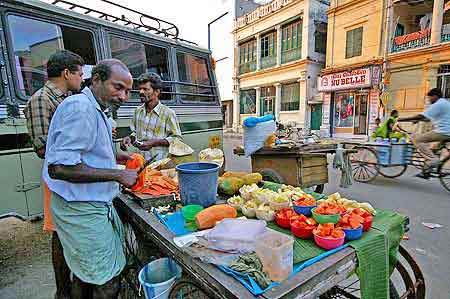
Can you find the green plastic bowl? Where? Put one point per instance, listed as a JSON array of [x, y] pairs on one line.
[[190, 211], [325, 218]]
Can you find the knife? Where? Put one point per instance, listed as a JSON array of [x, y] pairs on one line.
[[147, 163]]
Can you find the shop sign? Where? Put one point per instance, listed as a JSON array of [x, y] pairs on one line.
[[358, 78]]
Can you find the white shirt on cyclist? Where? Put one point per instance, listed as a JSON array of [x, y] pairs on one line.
[[439, 114]]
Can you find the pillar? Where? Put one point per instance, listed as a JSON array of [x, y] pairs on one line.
[[277, 100], [258, 52], [303, 106], [279, 44], [236, 108], [436, 22], [258, 101]]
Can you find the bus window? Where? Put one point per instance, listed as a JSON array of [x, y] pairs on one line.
[[141, 58], [33, 41], [194, 77]]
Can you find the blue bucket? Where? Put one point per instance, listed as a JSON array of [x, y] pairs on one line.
[[198, 183], [158, 277]]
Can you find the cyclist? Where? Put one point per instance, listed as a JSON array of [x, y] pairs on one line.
[[439, 114], [390, 128]]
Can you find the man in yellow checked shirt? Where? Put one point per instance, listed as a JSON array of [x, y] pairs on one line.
[[154, 125]]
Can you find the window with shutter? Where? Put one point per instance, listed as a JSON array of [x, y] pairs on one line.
[[354, 43]]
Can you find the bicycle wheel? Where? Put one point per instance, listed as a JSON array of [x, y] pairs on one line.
[[392, 171], [364, 164], [444, 173], [350, 289], [187, 289]]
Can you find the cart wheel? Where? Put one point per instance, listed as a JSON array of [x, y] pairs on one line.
[[271, 175], [406, 282], [364, 164], [392, 171], [187, 289], [444, 173]]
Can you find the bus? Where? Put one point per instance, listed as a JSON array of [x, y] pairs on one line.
[[33, 30]]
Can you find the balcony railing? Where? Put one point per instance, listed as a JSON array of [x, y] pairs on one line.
[[291, 55], [413, 40], [268, 61], [247, 67]]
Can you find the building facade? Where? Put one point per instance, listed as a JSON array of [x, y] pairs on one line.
[[382, 55], [279, 52]]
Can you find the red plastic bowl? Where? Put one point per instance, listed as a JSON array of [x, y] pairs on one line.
[[282, 222], [302, 233], [367, 224], [328, 243]]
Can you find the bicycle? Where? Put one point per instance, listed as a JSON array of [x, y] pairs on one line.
[[291, 131]]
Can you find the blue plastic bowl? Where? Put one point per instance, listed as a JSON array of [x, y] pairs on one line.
[[353, 234], [305, 210]]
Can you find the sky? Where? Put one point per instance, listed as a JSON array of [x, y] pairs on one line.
[[192, 18]]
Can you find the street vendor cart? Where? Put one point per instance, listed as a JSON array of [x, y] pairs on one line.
[[305, 166], [326, 278]]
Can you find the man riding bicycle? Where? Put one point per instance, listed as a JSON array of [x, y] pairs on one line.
[[439, 114]]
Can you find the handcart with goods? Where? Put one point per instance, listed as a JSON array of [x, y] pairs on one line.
[[317, 273], [391, 159]]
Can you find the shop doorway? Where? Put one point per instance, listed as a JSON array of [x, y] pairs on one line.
[[316, 116], [360, 120], [267, 100]]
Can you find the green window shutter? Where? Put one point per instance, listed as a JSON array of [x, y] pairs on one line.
[[358, 35], [349, 44]]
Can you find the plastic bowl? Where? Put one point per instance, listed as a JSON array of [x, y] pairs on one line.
[[353, 233], [302, 233], [328, 243], [190, 211], [305, 210], [367, 224], [321, 219], [281, 222]]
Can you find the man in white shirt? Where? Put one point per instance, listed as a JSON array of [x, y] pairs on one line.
[[439, 114]]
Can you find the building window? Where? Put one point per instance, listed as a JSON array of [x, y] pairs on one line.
[[320, 38], [268, 44], [343, 110], [248, 101], [34, 41], [291, 42], [443, 80], [141, 58], [267, 100], [247, 57], [292, 36], [290, 97], [354, 43]]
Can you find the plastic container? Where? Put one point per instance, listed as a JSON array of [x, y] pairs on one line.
[[384, 152], [321, 219], [190, 211], [305, 210], [353, 233], [398, 154], [158, 277], [198, 183], [328, 243], [275, 251], [236, 235], [302, 233]]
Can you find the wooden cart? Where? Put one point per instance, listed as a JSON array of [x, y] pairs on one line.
[[304, 166], [325, 279]]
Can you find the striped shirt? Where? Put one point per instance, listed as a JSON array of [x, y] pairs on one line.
[[160, 123], [39, 111]]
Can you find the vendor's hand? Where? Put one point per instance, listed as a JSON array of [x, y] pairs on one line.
[[146, 145], [126, 142], [128, 177], [123, 157]]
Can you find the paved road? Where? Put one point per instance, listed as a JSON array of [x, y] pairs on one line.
[[421, 200], [25, 269]]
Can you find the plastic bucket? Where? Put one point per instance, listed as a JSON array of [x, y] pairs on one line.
[[198, 183], [158, 277]]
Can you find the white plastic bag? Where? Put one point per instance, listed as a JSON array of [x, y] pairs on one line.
[[255, 137]]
